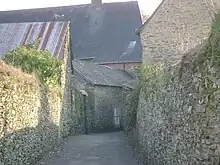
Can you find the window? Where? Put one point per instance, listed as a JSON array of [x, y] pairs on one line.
[[131, 44]]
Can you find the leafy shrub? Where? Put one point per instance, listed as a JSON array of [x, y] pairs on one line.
[[30, 59], [133, 101]]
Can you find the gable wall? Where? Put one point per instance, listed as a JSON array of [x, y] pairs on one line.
[[177, 26]]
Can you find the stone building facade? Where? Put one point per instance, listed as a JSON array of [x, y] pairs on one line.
[[175, 27], [108, 106], [104, 87]]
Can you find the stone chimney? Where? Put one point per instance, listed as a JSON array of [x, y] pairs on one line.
[[96, 2]]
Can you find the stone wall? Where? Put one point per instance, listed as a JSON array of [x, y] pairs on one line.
[[29, 118], [101, 103], [175, 27], [178, 113], [80, 83], [33, 119], [106, 99]]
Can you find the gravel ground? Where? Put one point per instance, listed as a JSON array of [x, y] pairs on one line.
[[93, 149]]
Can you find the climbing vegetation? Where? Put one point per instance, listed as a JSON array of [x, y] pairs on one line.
[[30, 59], [203, 76], [155, 79], [211, 51], [132, 102], [206, 67]]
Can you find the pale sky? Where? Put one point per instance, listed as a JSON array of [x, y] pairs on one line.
[[148, 6]]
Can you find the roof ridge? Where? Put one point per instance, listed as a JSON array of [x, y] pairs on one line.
[[87, 37], [71, 5], [101, 75], [152, 15]]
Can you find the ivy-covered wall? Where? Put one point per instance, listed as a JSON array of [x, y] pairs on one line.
[[178, 112], [34, 116], [130, 100], [29, 116]]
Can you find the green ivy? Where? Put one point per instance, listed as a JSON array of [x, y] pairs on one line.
[[30, 59], [210, 53], [134, 101]]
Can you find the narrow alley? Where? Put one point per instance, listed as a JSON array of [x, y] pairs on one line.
[[94, 149]]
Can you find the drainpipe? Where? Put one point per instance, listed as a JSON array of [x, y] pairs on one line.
[[123, 65]]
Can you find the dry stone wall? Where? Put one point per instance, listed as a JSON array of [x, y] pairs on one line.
[[178, 114], [33, 119], [178, 111], [29, 117]]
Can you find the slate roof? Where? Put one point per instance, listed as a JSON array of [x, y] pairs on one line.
[[52, 36], [131, 84], [101, 75], [103, 32]]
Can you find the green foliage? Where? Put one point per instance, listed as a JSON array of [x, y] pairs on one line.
[[78, 105], [157, 80], [155, 77], [148, 76], [211, 51], [29, 59], [133, 101], [214, 41], [207, 64], [149, 71]]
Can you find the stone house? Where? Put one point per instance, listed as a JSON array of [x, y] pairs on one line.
[[104, 87], [103, 32], [174, 28]]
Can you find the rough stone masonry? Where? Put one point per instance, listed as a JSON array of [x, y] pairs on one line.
[[179, 113], [175, 27]]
